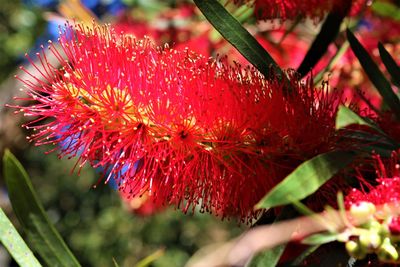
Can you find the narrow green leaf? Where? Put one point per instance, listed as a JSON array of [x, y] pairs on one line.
[[115, 263], [338, 55], [238, 36], [377, 142], [243, 13], [342, 209], [44, 238], [14, 243], [304, 255], [346, 117], [306, 178], [374, 74], [319, 239], [150, 258], [390, 64], [372, 142], [327, 34], [303, 209], [386, 9], [269, 258]]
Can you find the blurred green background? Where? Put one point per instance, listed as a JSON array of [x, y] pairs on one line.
[[95, 223]]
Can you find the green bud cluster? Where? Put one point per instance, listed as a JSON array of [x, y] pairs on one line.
[[373, 236]]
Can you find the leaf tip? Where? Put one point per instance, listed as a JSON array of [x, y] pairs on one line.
[[7, 154]]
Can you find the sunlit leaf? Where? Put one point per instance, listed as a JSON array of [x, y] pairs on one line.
[[150, 258], [342, 208], [319, 239], [374, 74], [379, 142], [307, 178], [14, 243], [237, 35], [346, 117], [115, 263], [42, 235], [386, 9]]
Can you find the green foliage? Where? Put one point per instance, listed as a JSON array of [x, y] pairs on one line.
[[151, 258], [338, 55], [100, 231], [386, 9], [14, 243], [97, 227], [306, 178], [390, 64], [42, 235], [238, 36], [346, 117], [19, 27], [376, 140], [269, 258], [319, 239], [304, 255], [374, 74], [329, 30]]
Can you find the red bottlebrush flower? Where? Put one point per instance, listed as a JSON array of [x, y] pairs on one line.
[[376, 214], [387, 191], [292, 9], [394, 226], [183, 129]]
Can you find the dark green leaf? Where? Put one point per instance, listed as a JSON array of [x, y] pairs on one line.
[[306, 178], [327, 34], [390, 64], [374, 74], [367, 141], [319, 239], [15, 245], [42, 235], [303, 256], [238, 36], [303, 209], [271, 257]]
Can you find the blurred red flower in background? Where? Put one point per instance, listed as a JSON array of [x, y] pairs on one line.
[[293, 9]]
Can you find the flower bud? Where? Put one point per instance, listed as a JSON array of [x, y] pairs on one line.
[[370, 240], [362, 211], [355, 249], [387, 252]]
